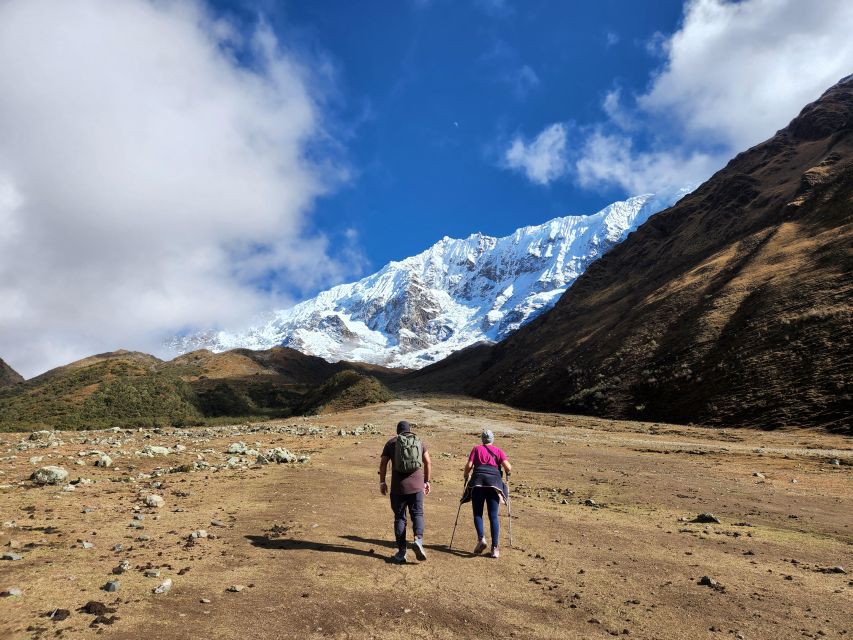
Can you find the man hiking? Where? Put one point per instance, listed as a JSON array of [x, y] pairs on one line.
[[411, 469]]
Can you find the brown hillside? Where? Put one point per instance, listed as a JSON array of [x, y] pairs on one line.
[[8, 376], [731, 307]]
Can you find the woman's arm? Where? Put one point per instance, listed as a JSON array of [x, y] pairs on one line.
[[468, 466], [506, 465]]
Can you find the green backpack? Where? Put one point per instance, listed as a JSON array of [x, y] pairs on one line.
[[407, 453]]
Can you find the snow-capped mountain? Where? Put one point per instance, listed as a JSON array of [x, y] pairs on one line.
[[456, 293]]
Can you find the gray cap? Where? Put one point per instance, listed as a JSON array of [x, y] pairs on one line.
[[487, 437]]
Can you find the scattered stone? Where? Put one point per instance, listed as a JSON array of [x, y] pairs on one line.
[[152, 573], [204, 601], [9, 555], [199, 533], [95, 608], [236, 588], [87, 545], [835, 462], [123, 566], [759, 475], [838, 569], [42, 435], [707, 581], [11, 592], [164, 587], [155, 450], [58, 615], [154, 500], [111, 586], [104, 461], [49, 475], [706, 518], [217, 523], [237, 447], [590, 502]]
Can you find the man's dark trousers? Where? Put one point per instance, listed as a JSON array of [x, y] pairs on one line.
[[414, 502]]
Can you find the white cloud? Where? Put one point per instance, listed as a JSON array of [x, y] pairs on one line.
[[611, 159], [148, 181], [732, 75], [739, 71], [543, 159]]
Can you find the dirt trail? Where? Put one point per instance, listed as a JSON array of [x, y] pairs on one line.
[[310, 542]]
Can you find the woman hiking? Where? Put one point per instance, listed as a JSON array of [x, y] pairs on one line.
[[486, 487]]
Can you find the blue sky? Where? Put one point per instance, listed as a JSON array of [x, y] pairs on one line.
[[181, 165], [431, 92]]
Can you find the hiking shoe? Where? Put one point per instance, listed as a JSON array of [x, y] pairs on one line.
[[481, 546], [399, 557], [418, 546], [495, 553]]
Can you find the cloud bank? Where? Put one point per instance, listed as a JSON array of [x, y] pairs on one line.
[[731, 76], [156, 172]]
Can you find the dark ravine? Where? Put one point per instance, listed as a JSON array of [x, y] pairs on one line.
[[8, 376], [732, 307]]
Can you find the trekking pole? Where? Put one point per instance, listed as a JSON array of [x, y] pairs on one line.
[[508, 510], [453, 535]]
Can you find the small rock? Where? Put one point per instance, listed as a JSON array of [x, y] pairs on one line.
[[154, 501], [58, 615], [707, 581], [236, 588], [217, 523], [87, 545], [112, 586], [204, 601], [152, 573], [154, 450], [200, 533], [759, 475], [11, 592], [164, 587], [237, 447], [706, 518], [123, 566], [590, 502], [104, 461], [49, 475], [11, 556]]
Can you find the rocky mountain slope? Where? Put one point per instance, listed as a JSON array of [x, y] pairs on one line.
[[8, 376], [732, 307], [454, 294]]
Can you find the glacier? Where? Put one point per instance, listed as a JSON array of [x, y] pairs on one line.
[[459, 292]]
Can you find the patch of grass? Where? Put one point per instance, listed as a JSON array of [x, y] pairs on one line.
[[345, 390]]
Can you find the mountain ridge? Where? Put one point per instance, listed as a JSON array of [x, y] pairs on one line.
[[8, 376], [731, 307], [456, 293]]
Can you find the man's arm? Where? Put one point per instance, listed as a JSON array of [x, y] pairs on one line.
[[427, 472], [383, 470]]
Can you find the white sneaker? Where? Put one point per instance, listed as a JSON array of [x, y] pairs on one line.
[[481, 546], [418, 546]]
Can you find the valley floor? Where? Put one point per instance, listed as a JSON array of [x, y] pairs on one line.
[[310, 542]]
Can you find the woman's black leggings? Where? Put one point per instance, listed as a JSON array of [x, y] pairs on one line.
[[489, 496]]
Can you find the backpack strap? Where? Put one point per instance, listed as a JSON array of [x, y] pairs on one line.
[[495, 458]]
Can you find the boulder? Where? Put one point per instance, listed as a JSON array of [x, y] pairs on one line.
[[49, 475], [154, 501]]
